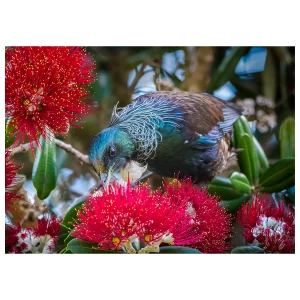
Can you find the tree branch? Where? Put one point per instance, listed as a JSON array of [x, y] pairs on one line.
[[138, 76], [83, 159]]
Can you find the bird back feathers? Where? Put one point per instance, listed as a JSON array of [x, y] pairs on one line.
[[202, 119]]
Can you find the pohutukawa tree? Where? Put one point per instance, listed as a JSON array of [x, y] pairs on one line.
[[189, 138]]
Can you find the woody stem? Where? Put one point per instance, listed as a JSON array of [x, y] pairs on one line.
[[83, 159]]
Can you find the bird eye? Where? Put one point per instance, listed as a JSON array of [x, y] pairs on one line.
[[112, 151]]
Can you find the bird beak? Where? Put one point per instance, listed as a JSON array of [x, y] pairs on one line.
[[103, 177], [108, 177]]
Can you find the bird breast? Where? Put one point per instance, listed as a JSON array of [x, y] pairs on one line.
[[133, 171]]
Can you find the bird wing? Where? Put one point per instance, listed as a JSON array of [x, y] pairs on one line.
[[206, 118]]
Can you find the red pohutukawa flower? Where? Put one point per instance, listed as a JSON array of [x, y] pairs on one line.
[[43, 89], [211, 222], [118, 217], [265, 223], [11, 181], [42, 238]]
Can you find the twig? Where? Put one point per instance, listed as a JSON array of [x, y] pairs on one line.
[[93, 189], [156, 77], [138, 76], [67, 147]]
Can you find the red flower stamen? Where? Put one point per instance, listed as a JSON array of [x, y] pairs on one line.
[[210, 221], [271, 226], [43, 89], [41, 238], [11, 181], [120, 215]]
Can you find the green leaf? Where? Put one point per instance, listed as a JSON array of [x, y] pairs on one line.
[[44, 172], [240, 182], [67, 252], [279, 176], [269, 77], [63, 234], [223, 188], [227, 67], [262, 158], [279, 186], [287, 138], [242, 126], [178, 249], [247, 157], [69, 219], [233, 205], [9, 137], [247, 250], [80, 247], [71, 215]]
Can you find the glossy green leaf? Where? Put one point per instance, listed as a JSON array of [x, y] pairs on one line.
[[288, 182], [223, 188], [69, 219], [287, 138], [240, 182], [9, 137], [269, 77], [241, 126], [63, 234], [238, 130], [81, 247], [247, 157], [279, 176], [71, 215], [247, 250], [67, 252], [262, 158], [177, 250], [44, 171], [227, 67], [233, 205]]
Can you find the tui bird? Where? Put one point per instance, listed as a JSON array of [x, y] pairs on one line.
[[170, 132]]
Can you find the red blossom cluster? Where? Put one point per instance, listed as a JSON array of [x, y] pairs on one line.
[[42, 238], [211, 222], [184, 215], [11, 181], [44, 87], [271, 226]]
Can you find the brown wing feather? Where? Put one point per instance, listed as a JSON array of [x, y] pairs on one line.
[[202, 112]]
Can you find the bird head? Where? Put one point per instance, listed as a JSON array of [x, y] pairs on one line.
[[111, 151]]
